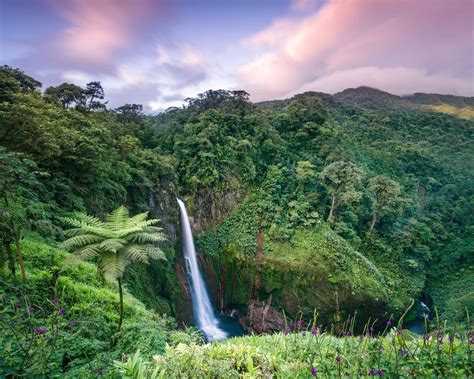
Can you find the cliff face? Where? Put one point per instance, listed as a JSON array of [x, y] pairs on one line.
[[316, 270]]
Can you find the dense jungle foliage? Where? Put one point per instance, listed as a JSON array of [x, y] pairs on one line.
[[361, 201]]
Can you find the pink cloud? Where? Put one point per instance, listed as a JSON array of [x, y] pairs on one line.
[[302, 5], [432, 37], [99, 28], [399, 80]]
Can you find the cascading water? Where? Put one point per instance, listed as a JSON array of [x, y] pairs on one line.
[[202, 307]]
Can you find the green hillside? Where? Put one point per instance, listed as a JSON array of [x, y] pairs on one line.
[[361, 202]]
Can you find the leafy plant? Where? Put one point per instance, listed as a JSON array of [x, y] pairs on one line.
[[115, 243]]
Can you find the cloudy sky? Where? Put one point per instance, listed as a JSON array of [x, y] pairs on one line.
[[158, 52]]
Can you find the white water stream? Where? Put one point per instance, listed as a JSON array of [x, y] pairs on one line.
[[202, 307]]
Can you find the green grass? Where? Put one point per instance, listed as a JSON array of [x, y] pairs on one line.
[[89, 304], [299, 354]]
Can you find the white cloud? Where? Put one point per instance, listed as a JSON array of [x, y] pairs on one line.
[[427, 39]]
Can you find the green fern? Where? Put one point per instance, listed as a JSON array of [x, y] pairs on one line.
[[115, 243]]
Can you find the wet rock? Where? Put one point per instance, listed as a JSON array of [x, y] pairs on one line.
[[263, 318]]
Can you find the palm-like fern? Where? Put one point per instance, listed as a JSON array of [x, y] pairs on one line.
[[114, 243]]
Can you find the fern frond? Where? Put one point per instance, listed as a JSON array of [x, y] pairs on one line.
[[71, 221], [128, 231], [118, 219], [115, 243], [79, 241], [155, 253], [112, 245], [145, 238], [88, 253], [100, 231], [88, 219], [73, 232], [136, 253], [139, 218], [112, 265], [153, 229], [146, 223]]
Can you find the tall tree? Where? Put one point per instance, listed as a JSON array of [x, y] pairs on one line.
[[18, 184], [385, 193], [129, 112], [68, 94], [341, 179], [94, 93], [114, 243], [26, 82]]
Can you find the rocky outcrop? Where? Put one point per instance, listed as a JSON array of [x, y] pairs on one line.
[[263, 318], [208, 208], [163, 205]]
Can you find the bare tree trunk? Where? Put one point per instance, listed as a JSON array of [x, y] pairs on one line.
[[11, 259], [17, 244], [337, 315], [332, 210], [3, 257], [19, 255], [421, 195], [119, 281], [374, 220], [222, 285]]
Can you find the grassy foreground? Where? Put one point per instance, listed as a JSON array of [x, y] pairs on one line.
[[308, 352]]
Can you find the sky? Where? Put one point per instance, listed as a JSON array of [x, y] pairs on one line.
[[159, 52]]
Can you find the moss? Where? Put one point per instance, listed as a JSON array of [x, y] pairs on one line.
[[304, 272], [453, 293]]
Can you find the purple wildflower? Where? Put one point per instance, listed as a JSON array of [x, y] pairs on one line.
[[40, 330], [389, 323], [313, 372], [72, 324], [315, 331], [372, 372], [300, 323], [361, 337], [16, 305], [381, 373], [403, 353], [303, 333], [338, 359], [100, 372], [440, 336], [30, 310], [426, 337], [55, 301], [62, 310]]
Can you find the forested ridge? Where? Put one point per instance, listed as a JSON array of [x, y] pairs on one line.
[[360, 202]]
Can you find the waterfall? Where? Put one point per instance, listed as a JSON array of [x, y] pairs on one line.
[[202, 308]]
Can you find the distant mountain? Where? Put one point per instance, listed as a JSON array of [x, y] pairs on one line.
[[438, 99], [367, 97], [372, 98], [326, 99]]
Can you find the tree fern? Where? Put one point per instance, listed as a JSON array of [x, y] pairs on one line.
[[115, 243]]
